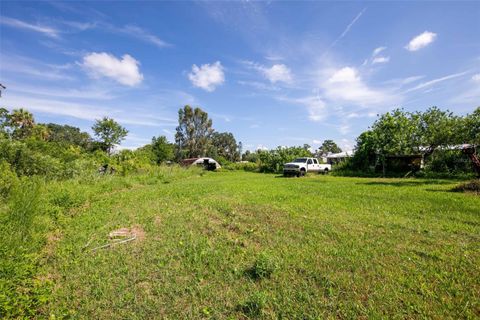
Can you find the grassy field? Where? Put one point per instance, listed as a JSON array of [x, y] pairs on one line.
[[234, 245]]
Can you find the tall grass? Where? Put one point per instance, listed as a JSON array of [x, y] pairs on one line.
[[24, 204]]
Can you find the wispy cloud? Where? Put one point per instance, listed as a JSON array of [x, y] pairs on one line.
[[142, 34], [33, 68], [377, 60], [316, 107], [84, 111], [435, 81], [19, 24], [346, 30]]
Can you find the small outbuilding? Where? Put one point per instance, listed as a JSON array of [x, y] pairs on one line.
[[335, 158], [207, 163]]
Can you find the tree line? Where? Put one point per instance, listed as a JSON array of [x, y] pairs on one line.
[[426, 133]]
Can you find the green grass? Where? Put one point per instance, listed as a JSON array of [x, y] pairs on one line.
[[243, 245]]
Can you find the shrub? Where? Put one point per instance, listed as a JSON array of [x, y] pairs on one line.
[[24, 204], [246, 166], [8, 179]]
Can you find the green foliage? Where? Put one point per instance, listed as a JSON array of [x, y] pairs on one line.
[[21, 122], [451, 162], [470, 130], [328, 146], [35, 157], [193, 133], [245, 166], [273, 160], [109, 133], [8, 179], [419, 133], [68, 135], [224, 146], [24, 203], [365, 153], [162, 150]]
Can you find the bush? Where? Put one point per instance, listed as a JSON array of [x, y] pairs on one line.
[[245, 166], [273, 160], [450, 162], [24, 203], [8, 179]]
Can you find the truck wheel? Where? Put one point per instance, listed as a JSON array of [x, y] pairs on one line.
[[325, 171], [301, 173]]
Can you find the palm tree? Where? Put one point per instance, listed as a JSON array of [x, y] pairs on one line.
[[22, 121]]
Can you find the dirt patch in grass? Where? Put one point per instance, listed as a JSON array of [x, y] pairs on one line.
[[139, 232]]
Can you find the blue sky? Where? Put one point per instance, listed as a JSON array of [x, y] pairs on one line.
[[272, 73]]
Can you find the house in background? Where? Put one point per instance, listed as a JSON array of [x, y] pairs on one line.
[[335, 158]]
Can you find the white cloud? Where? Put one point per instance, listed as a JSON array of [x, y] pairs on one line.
[[316, 107], [476, 77], [207, 76], [378, 50], [261, 147], [277, 73], [124, 70], [48, 31], [380, 60], [421, 41], [315, 141], [346, 85]]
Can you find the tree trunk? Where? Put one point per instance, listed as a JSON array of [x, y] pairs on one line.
[[470, 152]]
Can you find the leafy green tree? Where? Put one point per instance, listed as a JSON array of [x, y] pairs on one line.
[[68, 135], [436, 128], [273, 160], [109, 133], [193, 133], [470, 132], [22, 122], [41, 132], [225, 145], [4, 116], [365, 151], [470, 128], [328, 146], [162, 150], [394, 133], [240, 150]]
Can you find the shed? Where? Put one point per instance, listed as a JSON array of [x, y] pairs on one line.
[[207, 163], [335, 158]]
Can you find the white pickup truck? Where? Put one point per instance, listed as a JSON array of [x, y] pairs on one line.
[[300, 166]]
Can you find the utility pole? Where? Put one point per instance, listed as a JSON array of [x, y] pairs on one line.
[[2, 87]]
